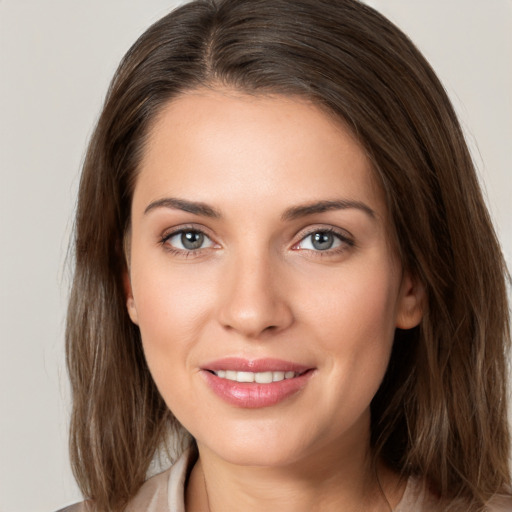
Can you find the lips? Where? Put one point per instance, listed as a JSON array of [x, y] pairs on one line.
[[258, 377], [257, 365], [255, 383]]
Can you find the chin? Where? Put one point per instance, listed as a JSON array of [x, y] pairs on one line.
[[257, 454], [258, 444]]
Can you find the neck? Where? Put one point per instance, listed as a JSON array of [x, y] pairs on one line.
[[324, 482]]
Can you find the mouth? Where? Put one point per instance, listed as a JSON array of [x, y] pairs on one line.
[[258, 383], [259, 377]]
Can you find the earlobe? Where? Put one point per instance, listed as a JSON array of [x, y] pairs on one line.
[[130, 302], [411, 305]]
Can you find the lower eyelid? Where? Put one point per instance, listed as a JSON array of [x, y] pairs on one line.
[[343, 242], [341, 238], [166, 237]]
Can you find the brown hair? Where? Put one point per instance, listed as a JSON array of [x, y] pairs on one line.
[[441, 411]]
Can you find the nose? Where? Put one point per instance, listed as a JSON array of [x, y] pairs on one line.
[[254, 301]]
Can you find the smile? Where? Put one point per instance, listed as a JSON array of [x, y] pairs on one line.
[[252, 384], [258, 377]]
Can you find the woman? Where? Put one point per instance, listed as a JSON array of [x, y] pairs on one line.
[[284, 257]]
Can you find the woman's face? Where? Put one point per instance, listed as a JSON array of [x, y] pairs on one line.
[[262, 277]]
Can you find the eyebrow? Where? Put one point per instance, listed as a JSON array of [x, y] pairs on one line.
[[325, 206], [295, 212], [194, 207]]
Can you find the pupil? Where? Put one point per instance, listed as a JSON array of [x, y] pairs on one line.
[[192, 240], [323, 241]]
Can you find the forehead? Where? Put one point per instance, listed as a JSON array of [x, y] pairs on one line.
[[206, 143]]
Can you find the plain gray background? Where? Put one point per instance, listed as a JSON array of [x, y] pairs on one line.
[[56, 60]]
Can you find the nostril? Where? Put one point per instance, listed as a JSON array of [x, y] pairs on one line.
[[253, 314]]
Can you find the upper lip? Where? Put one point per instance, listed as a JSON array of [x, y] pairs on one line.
[[240, 364]]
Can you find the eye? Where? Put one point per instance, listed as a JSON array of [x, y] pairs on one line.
[[324, 240], [188, 240]]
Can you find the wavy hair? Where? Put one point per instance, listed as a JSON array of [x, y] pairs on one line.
[[441, 411]]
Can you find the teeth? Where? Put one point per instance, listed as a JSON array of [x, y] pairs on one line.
[[258, 377], [245, 377], [263, 377], [277, 376]]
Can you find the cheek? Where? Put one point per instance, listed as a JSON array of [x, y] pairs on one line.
[[172, 308], [354, 327], [359, 308]]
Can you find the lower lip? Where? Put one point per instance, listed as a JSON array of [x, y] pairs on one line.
[[251, 395]]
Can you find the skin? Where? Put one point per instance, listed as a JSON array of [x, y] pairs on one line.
[[259, 288]]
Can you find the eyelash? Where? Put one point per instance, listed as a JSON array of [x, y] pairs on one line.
[[346, 242], [187, 253]]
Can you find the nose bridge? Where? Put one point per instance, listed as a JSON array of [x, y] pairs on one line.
[[253, 301]]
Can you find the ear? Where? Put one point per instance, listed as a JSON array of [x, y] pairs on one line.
[[411, 302], [130, 302]]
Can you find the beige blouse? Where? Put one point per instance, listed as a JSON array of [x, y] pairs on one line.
[[165, 492]]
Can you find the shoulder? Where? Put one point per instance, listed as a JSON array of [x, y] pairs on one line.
[[161, 493], [151, 497], [164, 492], [77, 507], [418, 499], [500, 503]]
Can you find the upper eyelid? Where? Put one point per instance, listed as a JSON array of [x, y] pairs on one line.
[[164, 238], [166, 235], [346, 239], [169, 232], [342, 233]]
